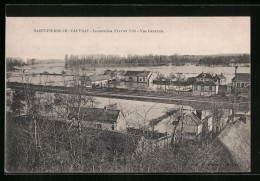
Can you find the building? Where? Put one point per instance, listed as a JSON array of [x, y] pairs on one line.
[[99, 118], [112, 73], [241, 81], [220, 79], [222, 89], [190, 127], [205, 77], [98, 81], [138, 76], [204, 88]]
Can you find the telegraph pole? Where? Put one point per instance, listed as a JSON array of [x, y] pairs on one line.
[[234, 95], [182, 116]]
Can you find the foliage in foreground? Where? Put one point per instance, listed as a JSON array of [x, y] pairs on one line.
[[59, 149]]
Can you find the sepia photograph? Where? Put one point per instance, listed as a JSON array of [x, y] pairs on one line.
[[128, 94]]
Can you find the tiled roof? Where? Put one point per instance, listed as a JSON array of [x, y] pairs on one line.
[[242, 77], [95, 114], [137, 73]]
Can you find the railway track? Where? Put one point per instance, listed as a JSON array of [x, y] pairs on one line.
[[129, 95]]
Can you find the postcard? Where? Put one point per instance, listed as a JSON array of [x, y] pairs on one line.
[[128, 95]]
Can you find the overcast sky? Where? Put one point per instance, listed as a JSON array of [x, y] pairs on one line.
[[181, 35]]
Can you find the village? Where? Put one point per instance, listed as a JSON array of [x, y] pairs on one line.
[[208, 106], [176, 125], [167, 101]]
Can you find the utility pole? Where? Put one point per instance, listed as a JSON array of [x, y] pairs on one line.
[[234, 95], [182, 116]]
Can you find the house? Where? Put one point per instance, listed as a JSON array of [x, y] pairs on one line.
[[241, 81], [204, 88], [112, 73], [190, 127], [220, 79], [99, 118], [138, 76], [204, 77], [120, 74], [98, 81]]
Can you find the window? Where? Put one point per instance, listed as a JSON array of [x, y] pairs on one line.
[[99, 126], [238, 84], [113, 127], [195, 87], [242, 84], [202, 88]]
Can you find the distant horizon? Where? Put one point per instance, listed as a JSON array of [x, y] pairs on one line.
[[222, 54]]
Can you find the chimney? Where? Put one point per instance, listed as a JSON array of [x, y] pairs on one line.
[[199, 114]]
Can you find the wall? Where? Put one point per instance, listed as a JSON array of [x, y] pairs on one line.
[[101, 83], [121, 123], [127, 78], [142, 79]]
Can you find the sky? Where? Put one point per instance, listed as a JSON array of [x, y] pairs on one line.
[[178, 35]]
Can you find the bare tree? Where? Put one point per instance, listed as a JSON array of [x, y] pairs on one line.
[[217, 114]]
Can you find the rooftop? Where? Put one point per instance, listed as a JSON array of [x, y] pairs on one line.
[[242, 77], [205, 75], [194, 118]]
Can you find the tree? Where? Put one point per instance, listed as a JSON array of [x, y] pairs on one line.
[[17, 104], [217, 113], [172, 76]]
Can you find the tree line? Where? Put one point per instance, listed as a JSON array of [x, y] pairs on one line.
[[12, 62], [151, 60]]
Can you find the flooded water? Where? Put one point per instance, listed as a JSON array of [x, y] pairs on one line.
[[57, 68]]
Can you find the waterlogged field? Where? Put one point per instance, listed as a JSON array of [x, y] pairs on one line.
[[57, 68], [137, 113]]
